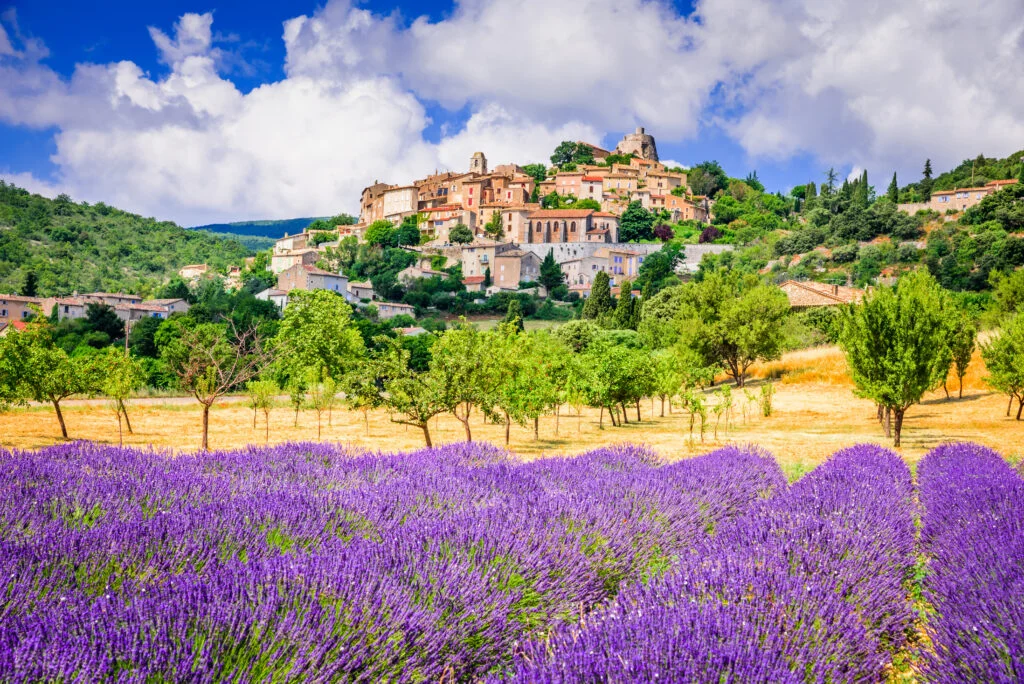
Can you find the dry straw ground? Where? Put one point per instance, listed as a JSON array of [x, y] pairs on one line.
[[816, 413]]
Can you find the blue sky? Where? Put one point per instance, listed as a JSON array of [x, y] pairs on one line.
[[228, 110]]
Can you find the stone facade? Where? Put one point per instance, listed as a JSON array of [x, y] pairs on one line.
[[639, 143]]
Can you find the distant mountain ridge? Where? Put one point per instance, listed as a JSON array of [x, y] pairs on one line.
[[267, 229]]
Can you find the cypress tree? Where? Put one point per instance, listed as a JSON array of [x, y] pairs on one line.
[[600, 300], [624, 308], [487, 277], [31, 285], [893, 193], [514, 315], [926, 182]]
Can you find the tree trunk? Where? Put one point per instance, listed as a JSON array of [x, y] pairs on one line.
[[663, 406], [638, 411], [1009, 406], [253, 417], [1020, 407], [120, 435], [899, 425], [961, 393], [426, 433], [206, 428], [296, 415], [464, 421], [60, 419], [124, 410], [508, 427], [536, 428], [558, 416], [266, 416], [944, 389], [625, 418], [881, 412], [318, 426], [600, 419], [888, 422]]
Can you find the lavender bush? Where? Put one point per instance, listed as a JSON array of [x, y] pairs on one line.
[[973, 533], [306, 562], [807, 586]]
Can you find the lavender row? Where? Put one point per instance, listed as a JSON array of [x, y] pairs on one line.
[[973, 533], [808, 586], [308, 562]]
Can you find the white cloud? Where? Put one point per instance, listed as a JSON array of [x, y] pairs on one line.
[[873, 84]]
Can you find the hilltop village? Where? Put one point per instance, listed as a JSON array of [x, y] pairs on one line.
[[498, 224]]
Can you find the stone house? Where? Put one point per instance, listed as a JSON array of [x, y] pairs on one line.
[[290, 243], [961, 199], [400, 201], [18, 308], [514, 266], [272, 294], [112, 298], [67, 307], [568, 183], [591, 187], [130, 313], [299, 257], [582, 271], [479, 255], [620, 183], [308, 277], [388, 310], [371, 203], [362, 290], [474, 283], [172, 305]]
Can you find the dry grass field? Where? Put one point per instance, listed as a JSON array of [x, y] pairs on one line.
[[815, 414]]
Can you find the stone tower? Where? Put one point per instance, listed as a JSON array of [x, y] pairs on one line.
[[640, 143], [478, 163]]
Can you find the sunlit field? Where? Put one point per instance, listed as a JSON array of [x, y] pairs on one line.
[[815, 413]]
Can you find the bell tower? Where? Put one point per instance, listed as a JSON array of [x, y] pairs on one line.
[[478, 163]]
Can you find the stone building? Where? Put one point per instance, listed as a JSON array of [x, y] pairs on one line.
[[639, 143]]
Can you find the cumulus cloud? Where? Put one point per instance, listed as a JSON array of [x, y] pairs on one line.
[[876, 84]]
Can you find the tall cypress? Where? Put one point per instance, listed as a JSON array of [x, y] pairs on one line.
[[600, 300], [624, 308], [893, 193]]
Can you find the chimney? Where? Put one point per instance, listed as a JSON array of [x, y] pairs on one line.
[[639, 130]]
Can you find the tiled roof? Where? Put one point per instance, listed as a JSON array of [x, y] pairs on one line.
[[274, 292], [596, 179], [21, 298], [605, 214], [313, 270], [140, 307], [445, 207], [472, 280], [163, 302], [1009, 181]]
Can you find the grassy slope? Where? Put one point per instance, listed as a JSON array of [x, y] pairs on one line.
[[86, 247]]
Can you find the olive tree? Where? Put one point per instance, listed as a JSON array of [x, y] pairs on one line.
[[212, 359], [893, 341], [1004, 357]]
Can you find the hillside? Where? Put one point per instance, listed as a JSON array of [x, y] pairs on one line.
[[77, 246], [265, 229]]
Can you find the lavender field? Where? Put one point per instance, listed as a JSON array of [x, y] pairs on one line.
[[308, 563]]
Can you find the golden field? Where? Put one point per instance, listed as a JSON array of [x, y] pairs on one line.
[[815, 414]]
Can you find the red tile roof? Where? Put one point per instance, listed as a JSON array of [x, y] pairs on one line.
[[472, 280], [596, 179], [446, 207]]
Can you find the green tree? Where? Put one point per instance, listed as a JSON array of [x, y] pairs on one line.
[[624, 308], [636, 224], [33, 367], [408, 232], [514, 315], [488, 281], [962, 343], [460, 235], [31, 286], [494, 228], [551, 275], [102, 318], [538, 172], [1004, 358], [529, 389], [261, 397], [893, 193], [321, 390], [600, 300], [210, 360], [587, 203], [411, 397], [564, 153], [120, 376], [465, 372], [381, 233], [317, 330], [926, 183], [893, 341]]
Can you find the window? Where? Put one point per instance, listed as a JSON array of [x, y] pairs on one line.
[[3, 312]]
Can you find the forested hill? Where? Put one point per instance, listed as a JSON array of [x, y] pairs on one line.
[[77, 246], [266, 229]]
